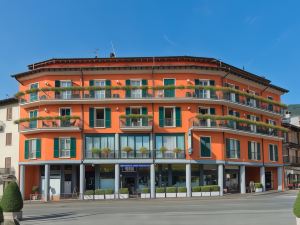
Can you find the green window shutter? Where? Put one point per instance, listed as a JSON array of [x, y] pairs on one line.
[[230, 112], [108, 91], [238, 149], [227, 147], [107, 117], [258, 152], [197, 91], [169, 93], [92, 93], [73, 148], [212, 92], [56, 148], [38, 148], [249, 150], [205, 147], [127, 111], [271, 153], [161, 116], [26, 149], [57, 84], [145, 120], [178, 116], [128, 91], [92, 117], [212, 111], [144, 90], [276, 152]]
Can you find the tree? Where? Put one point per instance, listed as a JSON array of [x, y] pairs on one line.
[[12, 199]]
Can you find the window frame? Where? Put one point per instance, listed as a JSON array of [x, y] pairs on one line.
[[174, 116], [30, 149], [60, 149], [10, 143], [95, 116], [236, 148], [9, 118], [210, 152]]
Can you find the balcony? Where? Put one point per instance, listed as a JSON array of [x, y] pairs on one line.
[[291, 160], [136, 124], [7, 171], [72, 125]]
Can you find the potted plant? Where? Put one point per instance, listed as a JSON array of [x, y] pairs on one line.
[[160, 192], [196, 191], [35, 192], [171, 192], [88, 195], [123, 193], [127, 149], [99, 194], [210, 190], [12, 202], [296, 209], [96, 151], [144, 151], [163, 150], [258, 187], [109, 194], [106, 151], [145, 193], [177, 151], [182, 192]]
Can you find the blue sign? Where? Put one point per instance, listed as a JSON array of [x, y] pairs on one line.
[[134, 165]]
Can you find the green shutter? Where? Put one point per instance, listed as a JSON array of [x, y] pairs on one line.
[[197, 91], [238, 149], [212, 111], [178, 116], [205, 147], [108, 90], [56, 148], [145, 120], [144, 90], [128, 91], [57, 84], [169, 93], [249, 150], [38, 148], [271, 152], [92, 117], [212, 92], [227, 147], [73, 148], [26, 149], [127, 111], [161, 117], [107, 117], [276, 152], [258, 151], [92, 93]]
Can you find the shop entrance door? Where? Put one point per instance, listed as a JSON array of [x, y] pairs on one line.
[[269, 181]]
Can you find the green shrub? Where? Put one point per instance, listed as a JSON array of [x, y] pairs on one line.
[[171, 190], [109, 191], [145, 190], [160, 190], [12, 199], [99, 192], [182, 189], [124, 191], [196, 189], [296, 208], [258, 185], [89, 192], [209, 188]]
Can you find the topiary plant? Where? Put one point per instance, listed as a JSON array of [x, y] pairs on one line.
[[12, 199]]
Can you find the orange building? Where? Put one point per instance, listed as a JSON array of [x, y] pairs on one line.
[[90, 123]]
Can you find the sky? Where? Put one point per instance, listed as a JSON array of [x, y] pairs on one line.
[[260, 36]]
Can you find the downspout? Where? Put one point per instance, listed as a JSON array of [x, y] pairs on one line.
[[152, 104], [82, 119]]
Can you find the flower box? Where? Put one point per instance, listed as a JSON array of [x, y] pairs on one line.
[[205, 194], [123, 196], [160, 195], [171, 195], [146, 195], [196, 194], [109, 196], [215, 193], [98, 197], [88, 197], [258, 190], [181, 194]]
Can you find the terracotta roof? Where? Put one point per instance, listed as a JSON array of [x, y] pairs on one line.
[[8, 101]]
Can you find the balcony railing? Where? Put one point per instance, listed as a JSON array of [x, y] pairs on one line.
[[7, 171], [49, 125], [136, 123], [294, 160]]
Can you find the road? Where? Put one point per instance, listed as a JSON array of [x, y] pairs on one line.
[[268, 209]]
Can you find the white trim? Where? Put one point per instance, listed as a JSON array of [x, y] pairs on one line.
[[59, 148], [174, 115], [38, 97]]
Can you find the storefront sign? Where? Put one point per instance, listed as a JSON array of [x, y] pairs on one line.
[[132, 167]]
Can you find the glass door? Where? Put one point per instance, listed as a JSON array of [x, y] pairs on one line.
[[202, 92], [34, 95], [33, 123], [136, 92], [65, 112], [136, 122], [100, 94], [66, 94]]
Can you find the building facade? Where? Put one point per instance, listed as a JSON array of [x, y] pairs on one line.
[[139, 122], [9, 144]]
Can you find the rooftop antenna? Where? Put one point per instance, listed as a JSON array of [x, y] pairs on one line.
[[96, 52], [113, 49]]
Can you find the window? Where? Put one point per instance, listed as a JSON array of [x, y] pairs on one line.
[[32, 148], [272, 122], [169, 117], [65, 112], [33, 114], [135, 142], [233, 124], [99, 117], [169, 141], [8, 138], [205, 93], [99, 142], [64, 147], [34, 95], [9, 113], [270, 106], [100, 94], [232, 148], [205, 146], [232, 96], [273, 152], [66, 94], [254, 150], [202, 92], [169, 93], [251, 101], [207, 111], [7, 163], [252, 126], [136, 92]]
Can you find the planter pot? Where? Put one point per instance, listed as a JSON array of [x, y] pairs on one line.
[[205, 194], [257, 190], [196, 194], [88, 197], [181, 194], [171, 195], [160, 195], [12, 215], [98, 197], [297, 220], [110, 196], [145, 195], [123, 196], [215, 193]]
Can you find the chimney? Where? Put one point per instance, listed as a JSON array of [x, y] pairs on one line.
[[112, 55]]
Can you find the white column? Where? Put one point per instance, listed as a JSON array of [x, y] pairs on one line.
[[81, 180], [220, 177], [22, 180], [152, 180], [262, 177], [279, 178], [47, 181], [188, 168], [117, 180], [242, 179]]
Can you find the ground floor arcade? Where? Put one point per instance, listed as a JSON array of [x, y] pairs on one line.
[[72, 180]]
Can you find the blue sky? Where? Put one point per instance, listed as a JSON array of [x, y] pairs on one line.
[[261, 36]]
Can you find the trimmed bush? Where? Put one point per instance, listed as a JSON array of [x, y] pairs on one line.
[[145, 190], [182, 189], [12, 199], [124, 191], [109, 191], [89, 192], [258, 185], [99, 192], [296, 208], [209, 188], [196, 189], [171, 190], [160, 190]]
